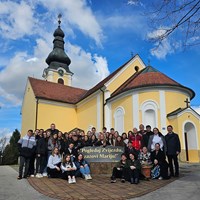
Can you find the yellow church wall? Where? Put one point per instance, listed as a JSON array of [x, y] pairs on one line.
[[126, 103], [178, 127], [174, 100], [87, 113], [64, 117], [28, 110], [127, 73], [193, 154]]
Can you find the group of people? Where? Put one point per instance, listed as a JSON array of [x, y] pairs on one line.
[[146, 147], [55, 154]]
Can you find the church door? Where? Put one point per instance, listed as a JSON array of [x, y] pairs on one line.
[[190, 142]]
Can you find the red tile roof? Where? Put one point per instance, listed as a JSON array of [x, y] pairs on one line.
[[56, 92], [148, 77]]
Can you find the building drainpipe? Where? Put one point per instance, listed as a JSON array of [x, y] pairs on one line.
[[103, 107], [36, 114]]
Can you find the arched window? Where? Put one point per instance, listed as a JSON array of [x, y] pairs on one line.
[[149, 113], [119, 119], [61, 81]]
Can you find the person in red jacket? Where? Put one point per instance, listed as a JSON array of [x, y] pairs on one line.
[[136, 139]]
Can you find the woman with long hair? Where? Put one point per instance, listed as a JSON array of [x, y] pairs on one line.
[[68, 169], [54, 162], [83, 168]]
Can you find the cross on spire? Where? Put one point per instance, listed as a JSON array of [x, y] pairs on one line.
[[131, 54], [59, 19], [187, 103]]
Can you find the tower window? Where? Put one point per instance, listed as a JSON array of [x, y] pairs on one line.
[[61, 81]]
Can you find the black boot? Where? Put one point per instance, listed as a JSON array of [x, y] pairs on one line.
[[132, 180]]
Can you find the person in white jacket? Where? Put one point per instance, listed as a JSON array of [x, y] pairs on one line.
[[68, 169], [54, 162]]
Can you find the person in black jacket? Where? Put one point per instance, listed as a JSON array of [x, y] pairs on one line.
[[70, 150], [158, 159], [173, 150], [130, 149], [41, 152]]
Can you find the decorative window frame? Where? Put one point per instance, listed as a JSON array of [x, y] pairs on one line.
[[120, 108], [150, 105]]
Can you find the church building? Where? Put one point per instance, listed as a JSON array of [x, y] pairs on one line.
[[133, 94]]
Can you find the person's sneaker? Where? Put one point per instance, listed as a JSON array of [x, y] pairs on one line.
[[19, 177], [160, 178], [44, 174], [89, 177], [123, 180], [113, 181], [32, 175], [73, 180], [38, 175], [41, 176], [70, 180], [86, 177]]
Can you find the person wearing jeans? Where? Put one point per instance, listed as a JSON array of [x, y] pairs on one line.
[[83, 168], [26, 150]]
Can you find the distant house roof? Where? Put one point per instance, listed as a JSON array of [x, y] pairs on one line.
[[149, 76], [56, 92]]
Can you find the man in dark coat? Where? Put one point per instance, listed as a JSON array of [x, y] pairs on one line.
[[173, 150]]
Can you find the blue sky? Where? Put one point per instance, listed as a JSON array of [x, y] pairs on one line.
[[99, 38]]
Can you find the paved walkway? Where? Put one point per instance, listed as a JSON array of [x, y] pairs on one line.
[[13, 189], [185, 188]]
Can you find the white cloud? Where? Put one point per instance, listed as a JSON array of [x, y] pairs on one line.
[[9, 97], [5, 132], [156, 34], [197, 109], [133, 23], [162, 50], [16, 19], [134, 2], [88, 69], [79, 15]]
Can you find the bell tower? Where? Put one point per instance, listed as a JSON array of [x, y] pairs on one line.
[[58, 61]]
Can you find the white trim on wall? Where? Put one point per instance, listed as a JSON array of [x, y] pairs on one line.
[[163, 115], [50, 76], [99, 112], [135, 102]]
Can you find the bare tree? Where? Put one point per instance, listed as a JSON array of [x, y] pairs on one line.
[[180, 17], [3, 141]]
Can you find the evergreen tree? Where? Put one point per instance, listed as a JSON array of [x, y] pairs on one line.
[[11, 153]]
